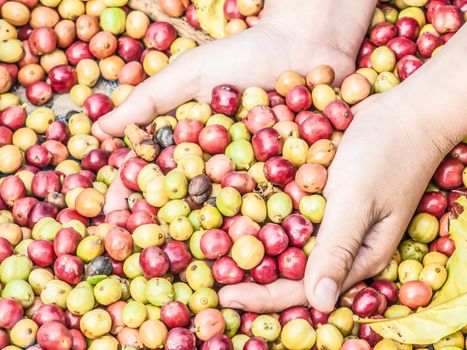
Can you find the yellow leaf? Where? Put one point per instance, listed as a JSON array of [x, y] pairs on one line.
[[447, 313], [426, 326], [456, 282], [211, 17]]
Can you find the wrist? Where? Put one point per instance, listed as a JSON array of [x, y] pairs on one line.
[[434, 96], [332, 23]]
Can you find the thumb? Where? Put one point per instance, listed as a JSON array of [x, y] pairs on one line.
[[169, 88], [339, 238]]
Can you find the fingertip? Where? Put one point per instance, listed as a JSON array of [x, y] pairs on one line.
[[114, 205], [98, 133], [116, 197], [228, 296], [111, 124], [322, 291], [325, 293]]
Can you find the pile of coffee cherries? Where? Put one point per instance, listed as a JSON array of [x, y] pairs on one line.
[[402, 37], [65, 46], [233, 195], [240, 14]]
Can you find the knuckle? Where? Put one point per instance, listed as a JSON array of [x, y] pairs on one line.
[[144, 93], [343, 254], [373, 263], [341, 196], [141, 90], [268, 301]]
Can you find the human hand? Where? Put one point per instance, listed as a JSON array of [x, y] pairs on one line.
[[294, 36], [383, 164], [381, 168]]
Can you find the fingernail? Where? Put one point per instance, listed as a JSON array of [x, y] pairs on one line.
[[326, 293]]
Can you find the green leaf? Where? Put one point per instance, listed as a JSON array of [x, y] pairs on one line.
[[447, 312], [211, 17], [456, 282]]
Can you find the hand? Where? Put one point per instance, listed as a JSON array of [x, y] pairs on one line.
[[289, 37], [381, 168], [382, 165]]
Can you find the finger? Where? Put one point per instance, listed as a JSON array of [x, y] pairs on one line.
[[98, 133], [341, 233], [117, 194], [273, 297], [116, 197], [172, 86], [376, 251]]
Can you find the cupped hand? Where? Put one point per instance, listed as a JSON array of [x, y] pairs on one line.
[[382, 166], [283, 40]]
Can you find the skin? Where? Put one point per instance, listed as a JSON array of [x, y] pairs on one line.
[[355, 242]]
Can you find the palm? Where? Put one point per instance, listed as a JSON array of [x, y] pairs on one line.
[[255, 57]]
